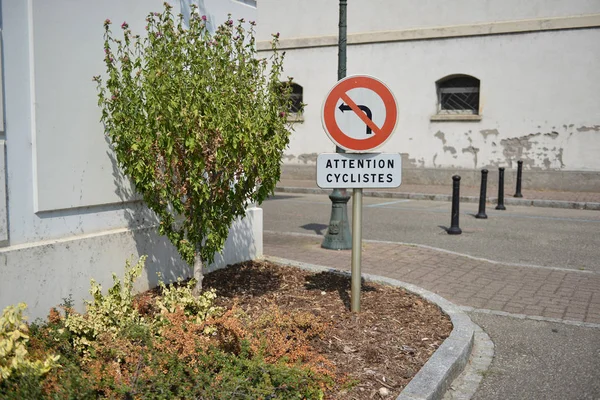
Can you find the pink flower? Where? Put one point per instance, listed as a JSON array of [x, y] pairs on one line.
[[107, 22], [124, 25], [204, 18], [282, 114]]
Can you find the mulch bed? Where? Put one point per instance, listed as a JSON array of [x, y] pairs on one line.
[[379, 349]]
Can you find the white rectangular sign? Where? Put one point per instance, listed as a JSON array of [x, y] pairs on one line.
[[359, 170]]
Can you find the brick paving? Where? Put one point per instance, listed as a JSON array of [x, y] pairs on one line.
[[580, 197], [534, 291]]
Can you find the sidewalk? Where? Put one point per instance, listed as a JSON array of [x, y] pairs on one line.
[[536, 198]]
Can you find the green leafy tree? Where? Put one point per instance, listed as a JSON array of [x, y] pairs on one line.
[[197, 122]]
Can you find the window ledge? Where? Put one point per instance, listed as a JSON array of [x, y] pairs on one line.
[[455, 117], [295, 118]]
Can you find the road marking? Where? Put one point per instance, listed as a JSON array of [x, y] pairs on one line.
[[454, 253], [468, 309], [387, 204]]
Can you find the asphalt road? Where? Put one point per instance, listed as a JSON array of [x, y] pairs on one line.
[[549, 237], [540, 360]]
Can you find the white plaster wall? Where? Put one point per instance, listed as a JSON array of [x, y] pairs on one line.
[[71, 216], [66, 105], [61, 178], [3, 209], [540, 96], [42, 274], [300, 18]]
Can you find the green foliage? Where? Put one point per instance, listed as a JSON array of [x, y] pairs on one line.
[[197, 307], [184, 348], [14, 356], [217, 375], [197, 122], [109, 313]]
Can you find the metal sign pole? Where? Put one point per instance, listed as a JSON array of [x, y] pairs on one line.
[[338, 234], [356, 249]]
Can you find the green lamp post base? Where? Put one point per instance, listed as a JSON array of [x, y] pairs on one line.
[[338, 235]]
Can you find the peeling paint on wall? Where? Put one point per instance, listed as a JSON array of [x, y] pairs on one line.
[[440, 135], [487, 132], [450, 149], [595, 128], [310, 157], [474, 151], [559, 158], [412, 162], [527, 148]]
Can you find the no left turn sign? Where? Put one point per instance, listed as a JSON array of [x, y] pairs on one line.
[[359, 113]]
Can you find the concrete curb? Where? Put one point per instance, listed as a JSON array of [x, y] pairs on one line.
[[447, 362], [465, 386], [446, 197]]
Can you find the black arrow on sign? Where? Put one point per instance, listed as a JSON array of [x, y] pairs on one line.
[[344, 107]]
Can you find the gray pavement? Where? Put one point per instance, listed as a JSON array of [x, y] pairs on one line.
[[550, 237], [537, 297], [540, 360]]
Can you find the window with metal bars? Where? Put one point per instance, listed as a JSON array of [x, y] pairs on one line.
[[458, 94], [296, 97]]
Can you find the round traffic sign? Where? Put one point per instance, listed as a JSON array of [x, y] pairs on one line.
[[359, 113]]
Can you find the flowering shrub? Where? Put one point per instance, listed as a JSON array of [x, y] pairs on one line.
[[14, 356], [197, 122]]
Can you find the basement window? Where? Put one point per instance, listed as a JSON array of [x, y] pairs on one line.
[[458, 99], [295, 108]]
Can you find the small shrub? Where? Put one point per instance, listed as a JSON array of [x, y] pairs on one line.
[[109, 313], [197, 307], [14, 357], [186, 348]]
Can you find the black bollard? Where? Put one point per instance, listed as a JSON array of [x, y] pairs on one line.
[[482, 195], [519, 177], [500, 205], [454, 229]]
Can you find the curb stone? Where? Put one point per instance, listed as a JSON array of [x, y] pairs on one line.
[[466, 384], [447, 362], [509, 201]]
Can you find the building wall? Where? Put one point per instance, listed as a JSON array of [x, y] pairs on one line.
[[538, 63], [66, 212], [312, 18]]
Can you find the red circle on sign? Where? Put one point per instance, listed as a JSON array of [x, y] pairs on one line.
[[380, 134]]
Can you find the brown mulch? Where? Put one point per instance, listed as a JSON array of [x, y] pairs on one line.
[[379, 349]]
